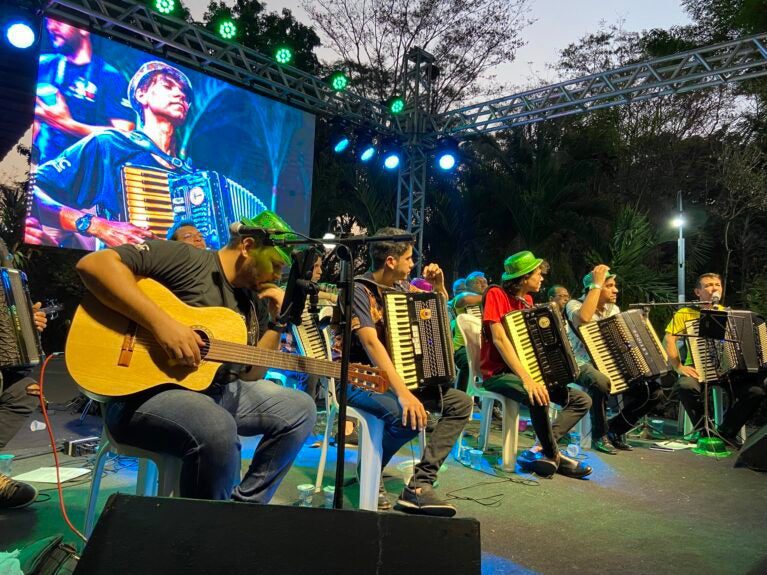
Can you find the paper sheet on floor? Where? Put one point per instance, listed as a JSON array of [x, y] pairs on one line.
[[48, 474], [672, 445]]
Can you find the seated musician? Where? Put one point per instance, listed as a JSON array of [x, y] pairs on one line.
[[747, 392], [476, 284], [201, 428], [77, 197], [403, 411], [503, 372], [598, 302], [185, 231], [559, 295]]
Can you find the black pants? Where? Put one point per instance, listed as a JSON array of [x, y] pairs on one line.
[[638, 400], [575, 404], [15, 403], [746, 395], [462, 364]]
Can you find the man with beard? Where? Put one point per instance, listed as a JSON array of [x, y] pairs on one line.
[[202, 428], [78, 93], [78, 198]]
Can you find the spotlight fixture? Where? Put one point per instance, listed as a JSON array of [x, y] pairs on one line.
[[20, 34], [227, 29], [338, 81], [283, 55], [165, 6], [391, 154], [340, 143], [340, 135], [396, 104], [367, 147], [447, 154]]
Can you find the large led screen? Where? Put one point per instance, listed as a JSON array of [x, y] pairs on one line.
[[125, 144]]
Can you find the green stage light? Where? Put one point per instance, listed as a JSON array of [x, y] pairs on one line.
[[165, 6], [227, 30], [339, 81], [283, 55], [396, 104]]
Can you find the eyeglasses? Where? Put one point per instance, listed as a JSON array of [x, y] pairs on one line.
[[195, 236]]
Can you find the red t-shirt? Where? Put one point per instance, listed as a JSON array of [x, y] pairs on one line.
[[497, 305]]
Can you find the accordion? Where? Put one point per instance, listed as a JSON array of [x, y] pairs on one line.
[[154, 199], [540, 340], [19, 339], [474, 310], [743, 350], [418, 338], [309, 338], [625, 348]]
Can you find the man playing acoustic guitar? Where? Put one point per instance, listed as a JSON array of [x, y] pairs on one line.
[[201, 428]]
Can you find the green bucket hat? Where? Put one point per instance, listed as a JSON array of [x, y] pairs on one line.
[[519, 264], [271, 221], [588, 279]]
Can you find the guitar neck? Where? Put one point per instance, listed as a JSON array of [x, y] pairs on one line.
[[227, 352]]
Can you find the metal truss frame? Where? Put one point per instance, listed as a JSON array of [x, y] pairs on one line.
[[136, 24], [705, 67]]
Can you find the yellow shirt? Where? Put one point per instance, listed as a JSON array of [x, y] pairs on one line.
[[677, 325]]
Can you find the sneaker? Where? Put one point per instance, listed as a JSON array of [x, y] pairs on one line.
[[383, 498], [15, 494], [426, 502]]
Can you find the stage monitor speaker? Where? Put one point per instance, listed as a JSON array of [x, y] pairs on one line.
[[753, 454], [155, 535]]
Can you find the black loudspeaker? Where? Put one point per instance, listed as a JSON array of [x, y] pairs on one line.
[[148, 535], [753, 454]]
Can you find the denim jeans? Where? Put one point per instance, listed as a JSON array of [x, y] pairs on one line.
[[15, 403], [462, 365], [575, 404], [746, 396], [638, 400], [202, 430], [455, 409]]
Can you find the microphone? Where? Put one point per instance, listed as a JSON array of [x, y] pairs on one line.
[[716, 297], [240, 229]]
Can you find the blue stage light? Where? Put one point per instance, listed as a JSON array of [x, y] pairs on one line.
[[367, 153], [20, 35], [446, 161], [391, 161], [341, 145]]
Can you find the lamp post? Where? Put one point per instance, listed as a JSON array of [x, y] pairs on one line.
[[678, 222]]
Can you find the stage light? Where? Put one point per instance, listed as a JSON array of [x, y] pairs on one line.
[[283, 55], [367, 152], [396, 105], [340, 144], [227, 29], [391, 161], [20, 35], [165, 6], [447, 154], [678, 222], [338, 81], [391, 151]]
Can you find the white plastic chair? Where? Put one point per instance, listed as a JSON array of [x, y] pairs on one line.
[[158, 474], [471, 327]]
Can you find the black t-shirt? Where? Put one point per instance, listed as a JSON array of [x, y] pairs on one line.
[[196, 278]]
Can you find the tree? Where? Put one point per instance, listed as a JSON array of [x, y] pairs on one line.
[[467, 39]]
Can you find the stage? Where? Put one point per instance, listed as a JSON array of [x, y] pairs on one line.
[[644, 511]]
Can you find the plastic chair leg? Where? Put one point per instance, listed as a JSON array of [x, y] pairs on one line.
[[510, 433], [324, 449], [486, 420], [93, 493], [370, 451]]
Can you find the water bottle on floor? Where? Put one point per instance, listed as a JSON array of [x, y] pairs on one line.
[[574, 447]]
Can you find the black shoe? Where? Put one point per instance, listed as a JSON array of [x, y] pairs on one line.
[[15, 494], [426, 502], [351, 439], [733, 441], [571, 468], [544, 466], [603, 445], [618, 441]]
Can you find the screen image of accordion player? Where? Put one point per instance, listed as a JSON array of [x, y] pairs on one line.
[[125, 144]]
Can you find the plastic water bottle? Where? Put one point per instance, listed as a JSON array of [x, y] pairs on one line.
[[37, 425], [574, 447]]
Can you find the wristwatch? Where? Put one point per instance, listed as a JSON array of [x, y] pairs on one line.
[[83, 223]]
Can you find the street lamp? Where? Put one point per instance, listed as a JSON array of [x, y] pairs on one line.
[[679, 222]]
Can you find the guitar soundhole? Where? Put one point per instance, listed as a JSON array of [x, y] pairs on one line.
[[206, 339]]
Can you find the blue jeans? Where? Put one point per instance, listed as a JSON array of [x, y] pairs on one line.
[[202, 430], [455, 409]]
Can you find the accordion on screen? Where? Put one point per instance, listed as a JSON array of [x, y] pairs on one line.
[[540, 340], [19, 339], [418, 338], [155, 199], [625, 348]]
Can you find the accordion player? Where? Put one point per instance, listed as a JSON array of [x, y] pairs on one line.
[[540, 340], [625, 348], [155, 199], [19, 339]]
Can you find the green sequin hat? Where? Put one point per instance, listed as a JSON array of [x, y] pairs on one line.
[[519, 264], [271, 221]]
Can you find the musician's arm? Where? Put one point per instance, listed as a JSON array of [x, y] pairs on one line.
[[114, 284], [586, 312], [467, 298], [537, 393], [413, 410], [672, 350]]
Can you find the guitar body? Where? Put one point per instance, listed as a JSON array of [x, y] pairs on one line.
[[109, 356]]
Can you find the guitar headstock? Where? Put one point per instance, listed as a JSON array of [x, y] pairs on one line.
[[368, 377]]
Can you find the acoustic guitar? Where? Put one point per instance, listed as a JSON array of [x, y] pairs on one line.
[[109, 356]]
